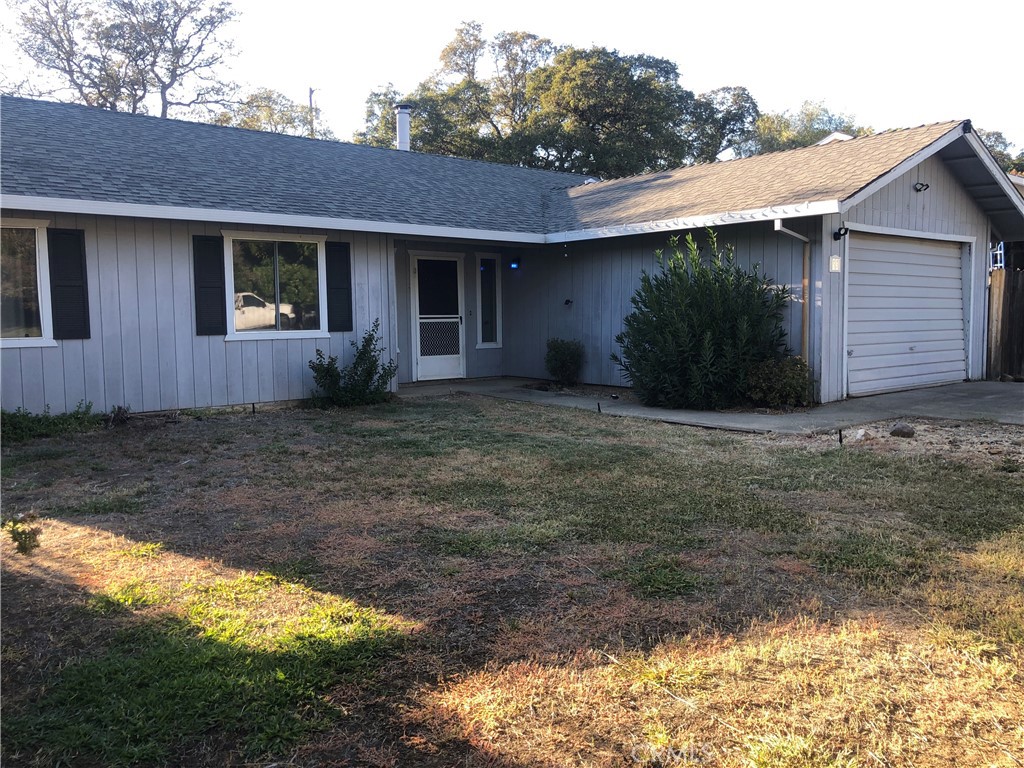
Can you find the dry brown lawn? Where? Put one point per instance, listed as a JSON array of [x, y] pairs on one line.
[[469, 582]]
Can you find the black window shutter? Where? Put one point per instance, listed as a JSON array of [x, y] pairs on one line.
[[208, 269], [69, 290], [339, 287]]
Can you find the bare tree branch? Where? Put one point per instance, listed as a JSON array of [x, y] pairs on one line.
[[132, 55]]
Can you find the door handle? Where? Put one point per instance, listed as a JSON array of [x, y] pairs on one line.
[[460, 319]]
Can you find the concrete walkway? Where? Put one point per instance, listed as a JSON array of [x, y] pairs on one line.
[[970, 401]]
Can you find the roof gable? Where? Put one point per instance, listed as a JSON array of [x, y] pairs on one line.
[[794, 179]]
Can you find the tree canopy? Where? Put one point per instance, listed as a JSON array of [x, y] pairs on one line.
[[268, 110], [592, 111], [776, 131], [1002, 151], [131, 55]]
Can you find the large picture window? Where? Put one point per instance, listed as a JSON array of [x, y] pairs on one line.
[[276, 284]]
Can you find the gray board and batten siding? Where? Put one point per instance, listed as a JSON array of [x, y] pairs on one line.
[[599, 278], [144, 352]]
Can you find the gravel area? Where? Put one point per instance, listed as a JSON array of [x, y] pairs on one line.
[[973, 442]]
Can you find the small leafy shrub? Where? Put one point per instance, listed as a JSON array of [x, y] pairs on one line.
[[782, 383], [363, 382], [564, 361], [698, 327], [23, 532], [20, 425], [118, 416]]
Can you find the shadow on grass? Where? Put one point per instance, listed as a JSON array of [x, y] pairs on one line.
[[278, 492], [162, 688]]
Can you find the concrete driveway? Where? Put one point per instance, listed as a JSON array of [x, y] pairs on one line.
[[1001, 402]]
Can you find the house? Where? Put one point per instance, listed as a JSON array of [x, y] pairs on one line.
[[160, 264]]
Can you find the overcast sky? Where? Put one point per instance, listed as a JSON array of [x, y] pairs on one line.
[[888, 63]]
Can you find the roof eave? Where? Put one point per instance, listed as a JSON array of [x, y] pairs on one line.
[[793, 211], [963, 130], [184, 213]]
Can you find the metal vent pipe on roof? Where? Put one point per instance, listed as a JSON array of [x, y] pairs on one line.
[[403, 117]]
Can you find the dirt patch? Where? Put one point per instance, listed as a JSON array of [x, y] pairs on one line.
[[972, 442]]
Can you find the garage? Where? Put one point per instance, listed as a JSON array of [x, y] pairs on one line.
[[905, 314]]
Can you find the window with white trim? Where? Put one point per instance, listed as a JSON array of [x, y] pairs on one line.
[[275, 285], [488, 301], [24, 284]]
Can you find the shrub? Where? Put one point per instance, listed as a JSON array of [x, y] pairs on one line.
[[781, 383], [20, 425], [698, 326], [363, 382], [23, 532], [564, 361]]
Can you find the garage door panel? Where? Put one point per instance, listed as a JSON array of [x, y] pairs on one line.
[[905, 323], [868, 244], [902, 337], [909, 371], [942, 305], [922, 289], [904, 346], [946, 359], [950, 326], [947, 269], [897, 383]]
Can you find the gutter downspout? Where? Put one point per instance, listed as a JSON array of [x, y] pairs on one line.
[[805, 313]]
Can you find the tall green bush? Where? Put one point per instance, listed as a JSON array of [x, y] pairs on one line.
[[698, 326]]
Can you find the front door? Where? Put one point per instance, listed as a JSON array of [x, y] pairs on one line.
[[437, 306]]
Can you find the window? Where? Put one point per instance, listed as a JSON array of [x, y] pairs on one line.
[[44, 293], [488, 301], [276, 285], [20, 300]]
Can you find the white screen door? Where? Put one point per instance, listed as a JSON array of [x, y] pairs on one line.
[[440, 336]]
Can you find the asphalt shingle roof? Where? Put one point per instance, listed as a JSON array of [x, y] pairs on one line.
[[833, 171], [70, 151]]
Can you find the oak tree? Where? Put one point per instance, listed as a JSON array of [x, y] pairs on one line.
[[158, 56], [268, 110], [773, 132]]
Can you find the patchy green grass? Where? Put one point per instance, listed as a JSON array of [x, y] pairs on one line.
[[250, 657], [119, 501], [879, 558], [144, 549], [474, 582], [20, 425], [654, 575]]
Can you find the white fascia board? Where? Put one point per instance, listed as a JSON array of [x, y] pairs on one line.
[[102, 208], [1008, 185], [915, 159], [699, 222]]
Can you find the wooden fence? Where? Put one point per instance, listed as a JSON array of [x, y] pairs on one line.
[[1006, 324]]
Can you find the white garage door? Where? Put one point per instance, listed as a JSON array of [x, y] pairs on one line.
[[905, 314]]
